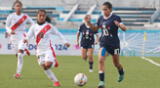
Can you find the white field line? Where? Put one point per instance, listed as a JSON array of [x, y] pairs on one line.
[[151, 61]]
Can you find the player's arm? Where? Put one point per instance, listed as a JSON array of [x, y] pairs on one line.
[[97, 38], [78, 35], [29, 34], [8, 23], [30, 20], [56, 32], [92, 26], [119, 23]]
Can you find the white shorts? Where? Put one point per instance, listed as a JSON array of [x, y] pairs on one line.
[[46, 56], [17, 43], [18, 46]]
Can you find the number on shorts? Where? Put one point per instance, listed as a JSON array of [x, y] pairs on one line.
[[117, 51]]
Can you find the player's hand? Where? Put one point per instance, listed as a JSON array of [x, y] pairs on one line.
[[77, 44], [117, 23], [25, 41], [13, 33], [96, 43], [67, 44], [7, 35]]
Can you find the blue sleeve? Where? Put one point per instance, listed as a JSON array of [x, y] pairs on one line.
[[118, 19], [99, 21], [80, 29]]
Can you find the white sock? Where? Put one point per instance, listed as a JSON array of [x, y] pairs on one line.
[[51, 75], [19, 62]]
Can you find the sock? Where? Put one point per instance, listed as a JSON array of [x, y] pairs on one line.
[[101, 76], [121, 72], [51, 75], [90, 64], [19, 63]]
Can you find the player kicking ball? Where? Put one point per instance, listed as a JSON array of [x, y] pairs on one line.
[[109, 41], [87, 42], [16, 24], [43, 32]]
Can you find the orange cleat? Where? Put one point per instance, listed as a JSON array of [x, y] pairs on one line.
[[27, 52], [57, 84], [17, 76], [56, 64]]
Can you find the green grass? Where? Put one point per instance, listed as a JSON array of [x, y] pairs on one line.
[[139, 73], [154, 59]]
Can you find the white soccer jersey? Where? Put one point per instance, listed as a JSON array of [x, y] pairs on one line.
[[13, 18], [17, 23], [44, 43]]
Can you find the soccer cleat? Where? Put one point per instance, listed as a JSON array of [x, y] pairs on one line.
[[17, 76], [56, 64], [121, 77], [101, 84], [57, 84], [27, 52], [90, 70]]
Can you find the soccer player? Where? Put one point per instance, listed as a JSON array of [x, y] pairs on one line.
[[87, 42], [109, 41], [43, 32], [16, 25]]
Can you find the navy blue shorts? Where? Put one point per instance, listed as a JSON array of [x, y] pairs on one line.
[[113, 50], [87, 46]]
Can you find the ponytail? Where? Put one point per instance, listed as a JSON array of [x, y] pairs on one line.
[[48, 19]]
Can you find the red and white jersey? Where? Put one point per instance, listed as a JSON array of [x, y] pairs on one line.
[[17, 23], [43, 35]]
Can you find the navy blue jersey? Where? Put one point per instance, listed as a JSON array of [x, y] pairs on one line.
[[87, 35], [109, 36]]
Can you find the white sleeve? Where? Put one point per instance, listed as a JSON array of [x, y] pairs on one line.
[[30, 20], [56, 32], [30, 33], [8, 23]]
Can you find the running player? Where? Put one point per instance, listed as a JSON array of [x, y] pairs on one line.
[[16, 27], [109, 41], [43, 32], [87, 42]]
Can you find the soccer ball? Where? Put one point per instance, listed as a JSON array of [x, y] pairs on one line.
[[80, 79]]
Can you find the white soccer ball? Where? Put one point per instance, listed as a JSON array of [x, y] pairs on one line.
[[80, 79]]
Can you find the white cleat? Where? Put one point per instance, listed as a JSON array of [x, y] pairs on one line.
[[90, 70]]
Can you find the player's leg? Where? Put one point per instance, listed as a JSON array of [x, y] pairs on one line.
[[20, 55], [84, 53], [101, 67], [91, 61], [48, 63], [116, 62]]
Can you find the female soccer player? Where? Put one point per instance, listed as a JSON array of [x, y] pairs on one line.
[[109, 41], [87, 42], [16, 25], [43, 32]]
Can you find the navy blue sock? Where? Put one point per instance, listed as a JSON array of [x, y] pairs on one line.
[[90, 65], [101, 76], [121, 72]]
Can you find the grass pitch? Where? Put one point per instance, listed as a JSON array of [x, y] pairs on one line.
[[138, 73]]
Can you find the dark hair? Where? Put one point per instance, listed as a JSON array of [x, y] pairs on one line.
[[108, 4], [17, 1], [48, 19]]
